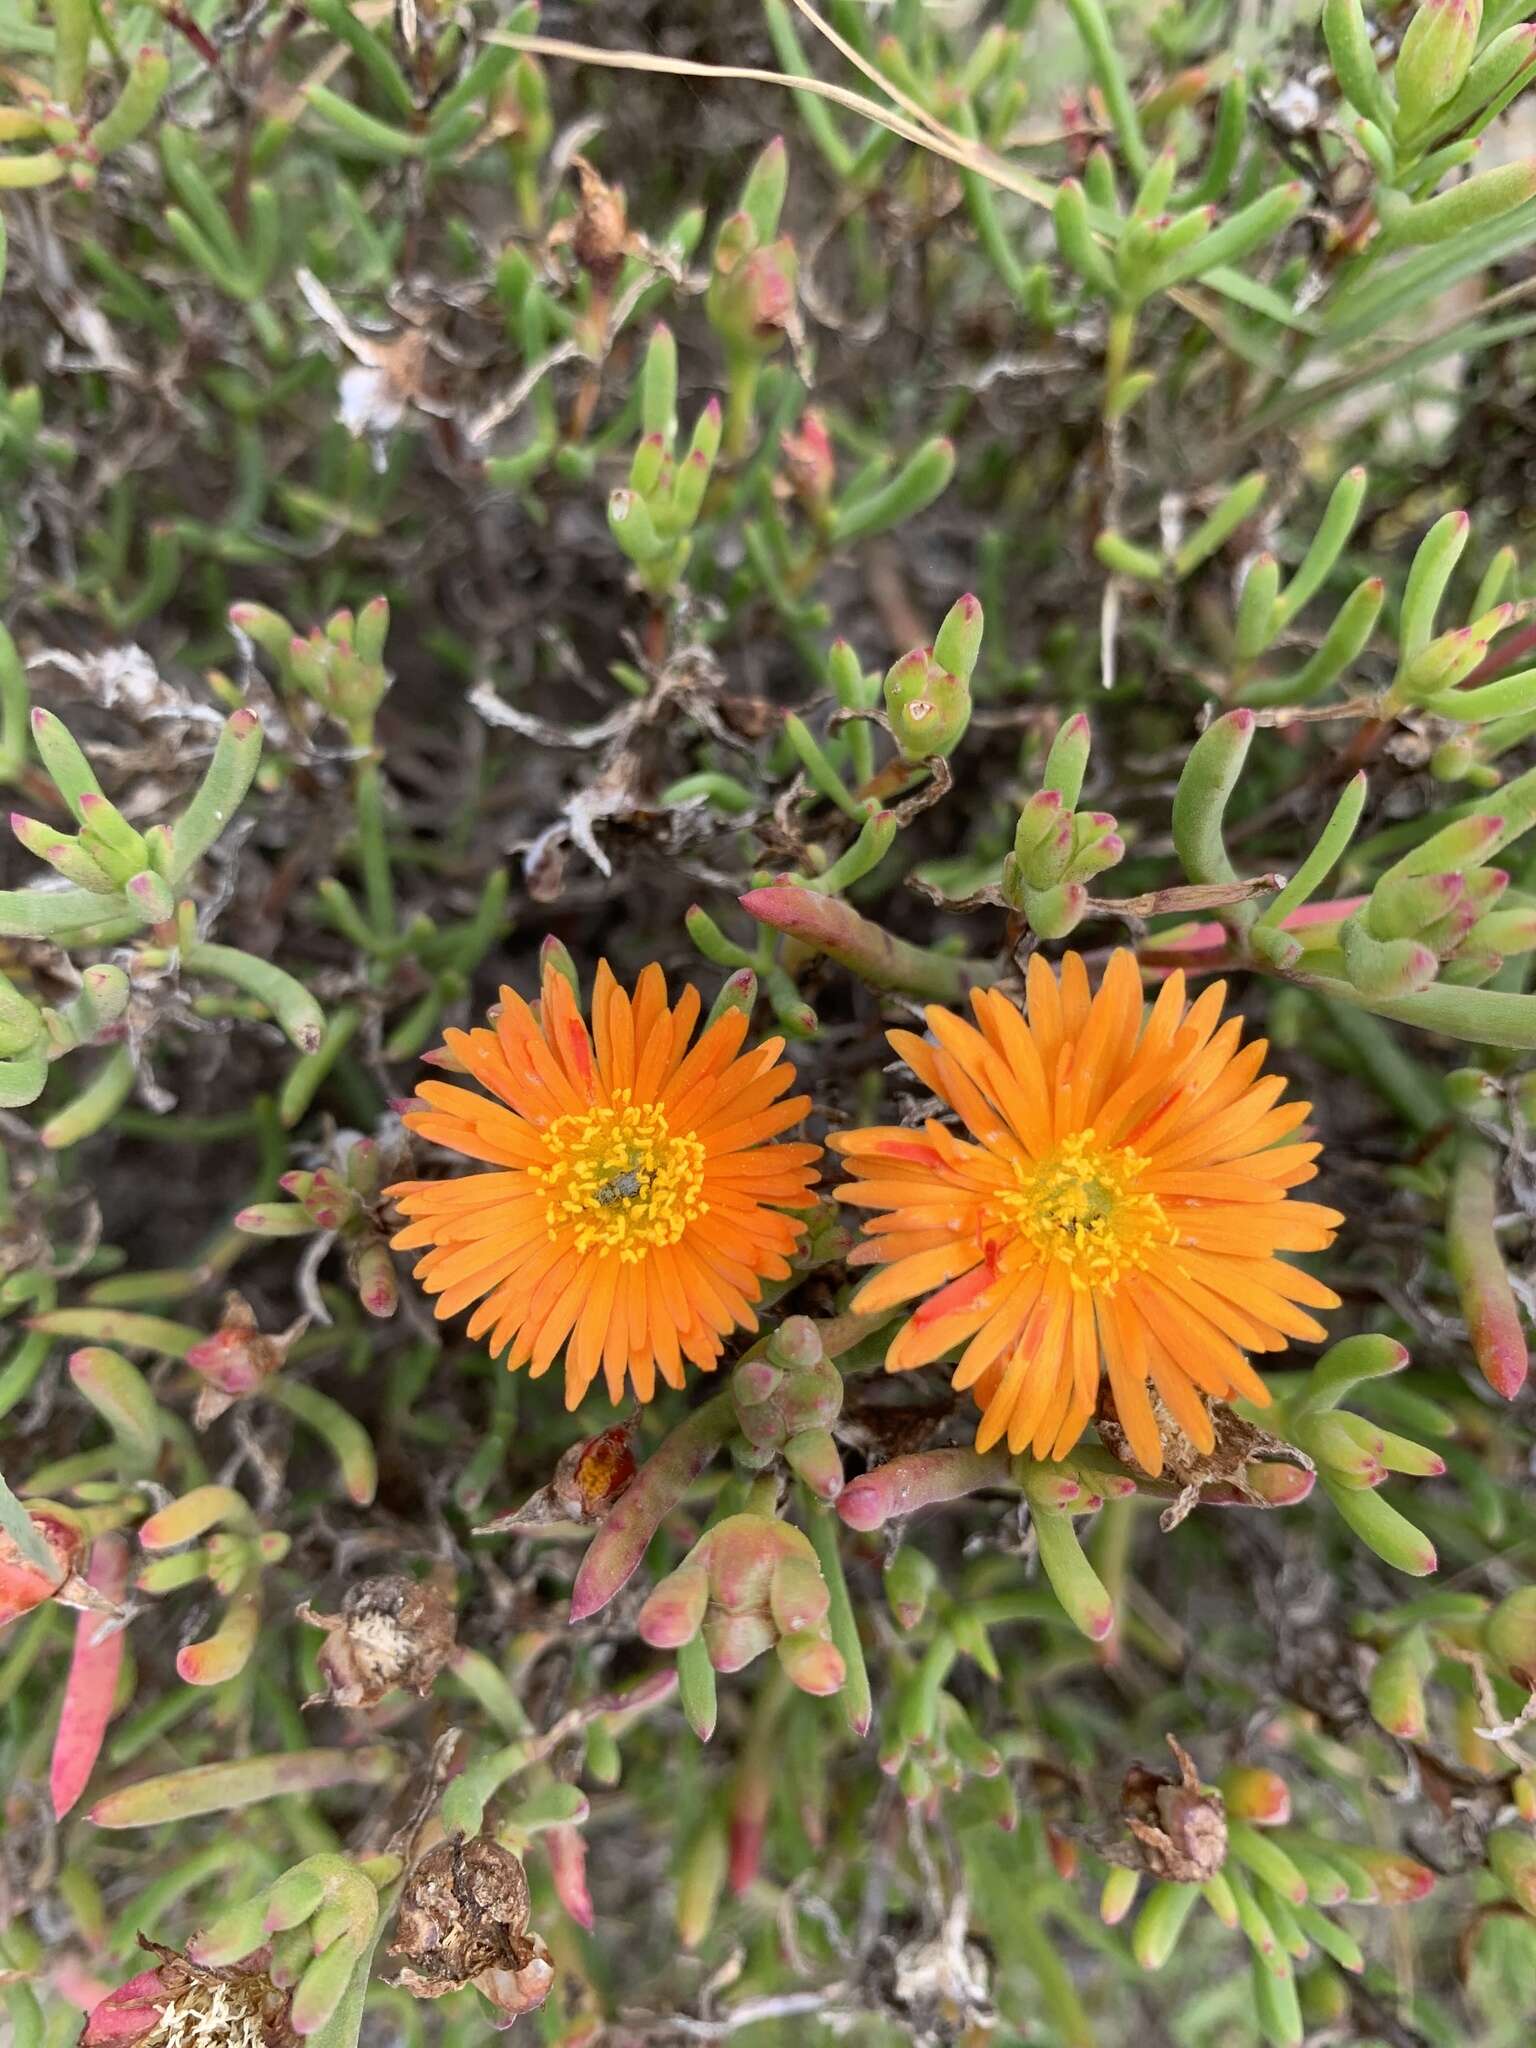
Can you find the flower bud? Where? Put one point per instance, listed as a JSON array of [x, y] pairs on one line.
[[812, 1663], [236, 1358], [929, 707], [786, 1402], [809, 463], [749, 1583], [751, 298]]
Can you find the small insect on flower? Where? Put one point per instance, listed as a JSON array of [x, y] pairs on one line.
[[636, 1202], [1118, 1209]]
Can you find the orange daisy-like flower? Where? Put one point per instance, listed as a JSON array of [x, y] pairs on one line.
[[636, 1206], [1120, 1207]]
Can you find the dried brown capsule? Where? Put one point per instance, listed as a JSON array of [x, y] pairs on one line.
[[391, 1631], [601, 239], [463, 1919], [1181, 1827]]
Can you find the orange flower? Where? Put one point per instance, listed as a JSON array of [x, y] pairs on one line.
[[1121, 1209], [636, 1204]]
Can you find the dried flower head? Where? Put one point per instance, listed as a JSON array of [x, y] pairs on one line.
[[463, 1919], [391, 1631], [636, 1203], [589, 1481], [1118, 1206], [236, 1359], [1180, 1825], [182, 2004]]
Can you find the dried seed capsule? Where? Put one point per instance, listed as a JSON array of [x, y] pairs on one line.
[[391, 1631], [463, 1919]]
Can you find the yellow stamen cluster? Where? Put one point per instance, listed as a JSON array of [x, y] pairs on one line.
[[621, 1177], [1082, 1207]]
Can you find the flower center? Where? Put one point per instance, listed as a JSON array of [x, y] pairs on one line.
[[1083, 1207], [621, 1177], [212, 2014]]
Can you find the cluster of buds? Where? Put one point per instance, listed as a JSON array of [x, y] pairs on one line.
[[1164, 239], [32, 1035], [68, 143], [121, 882], [1424, 119], [1057, 849], [1354, 1456], [749, 1584], [929, 1743], [1453, 1638], [653, 517], [1436, 914], [1233, 1845], [121, 877], [787, 1398], [463, 1919], [344, 1201], [928, 691], [751, 301], [339, 666], [315, 1925], [231, 1559], [391, 1631]]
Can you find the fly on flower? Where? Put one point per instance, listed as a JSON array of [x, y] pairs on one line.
[[636, 1202], [1118, 1208]]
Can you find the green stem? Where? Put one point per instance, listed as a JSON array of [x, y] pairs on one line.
[[373, 846]]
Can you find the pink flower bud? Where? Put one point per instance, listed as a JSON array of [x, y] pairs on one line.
[[236, 1358], [809, 461]]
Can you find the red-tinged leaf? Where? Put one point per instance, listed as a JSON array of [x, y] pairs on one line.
[[566, 1848], [92, 1681]]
